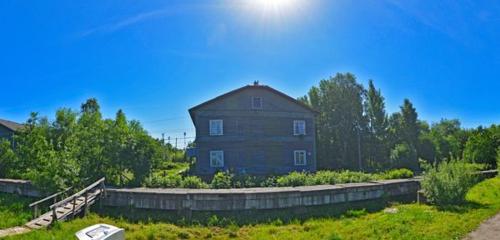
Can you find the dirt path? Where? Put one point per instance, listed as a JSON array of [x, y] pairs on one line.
[[13, 231], [488, 230]]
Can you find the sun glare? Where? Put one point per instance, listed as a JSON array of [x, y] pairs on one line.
[[275, 4], [275, 7]]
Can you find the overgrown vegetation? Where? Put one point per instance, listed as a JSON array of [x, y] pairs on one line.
[[225, 179], [14, 210], [355, 132], [409, 221], [449, 182], [79, 147]]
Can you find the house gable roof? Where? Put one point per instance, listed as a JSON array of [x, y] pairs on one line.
[[225, 95], [13, 126]]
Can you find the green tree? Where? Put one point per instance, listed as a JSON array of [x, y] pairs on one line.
[[39, 161], [117, 137], [145, 153], [78, 148], [482, 145], [8, 159], [404, 155], [339, 100], [378, 127], [446, 137], [404, 131], [90, 134], [409, 123]]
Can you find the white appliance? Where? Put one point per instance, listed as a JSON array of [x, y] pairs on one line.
[[101, 232]]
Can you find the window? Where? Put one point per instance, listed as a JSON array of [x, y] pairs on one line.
[[217, 158], [299, 158], [299, 127], [256, 102], [216, 127]]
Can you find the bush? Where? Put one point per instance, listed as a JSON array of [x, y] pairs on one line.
[[247, 181], [193, 182], [498, 160], [269, 182], [448, 182], [324, 177], [293, 179], [396, 174], [229, 180], [169, 181], [222, 180], [354, 177]]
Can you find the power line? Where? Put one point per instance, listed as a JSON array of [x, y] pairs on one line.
[[165, 119]]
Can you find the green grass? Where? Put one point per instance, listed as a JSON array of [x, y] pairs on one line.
[[13, 210], [172, 168], [411, 221]]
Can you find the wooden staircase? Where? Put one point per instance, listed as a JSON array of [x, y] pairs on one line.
[[70, 206]]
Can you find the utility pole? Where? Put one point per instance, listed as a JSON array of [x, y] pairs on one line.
[[185, 141], [359, 149], [176, 143], [163, 142]]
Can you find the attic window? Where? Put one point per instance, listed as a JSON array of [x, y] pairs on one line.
[[256, 102], [299, 127]]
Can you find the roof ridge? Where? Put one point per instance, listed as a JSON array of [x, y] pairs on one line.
[[14, 126], [254, 86]]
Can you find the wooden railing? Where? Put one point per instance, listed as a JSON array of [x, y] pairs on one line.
[[35, 206], [99, 184]]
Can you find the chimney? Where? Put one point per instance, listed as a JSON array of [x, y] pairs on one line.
[[256, 83]]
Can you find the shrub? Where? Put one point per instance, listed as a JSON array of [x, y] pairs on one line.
[[353, 177], [247, 181], [448, 182], [222, 180], [193, 182], [269, 182], [293, 179], [498, 160], [396, 174], [324, 177], [169, 181]]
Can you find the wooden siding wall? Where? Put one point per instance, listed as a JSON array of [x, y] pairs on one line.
[[5, 133], [255, 141]]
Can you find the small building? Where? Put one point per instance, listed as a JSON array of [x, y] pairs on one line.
[[8, 129], [254, 130]]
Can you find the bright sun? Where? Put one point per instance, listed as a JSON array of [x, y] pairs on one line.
[[275, 6]]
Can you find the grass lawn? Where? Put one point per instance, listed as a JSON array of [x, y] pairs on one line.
[[13, 210], [411, 221]]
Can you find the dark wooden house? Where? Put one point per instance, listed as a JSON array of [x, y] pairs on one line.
[[254, 130], [8, 129]]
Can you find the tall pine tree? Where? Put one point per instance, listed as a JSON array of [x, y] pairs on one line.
[[377, 146]]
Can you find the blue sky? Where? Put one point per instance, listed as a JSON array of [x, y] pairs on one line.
[[156, 59]]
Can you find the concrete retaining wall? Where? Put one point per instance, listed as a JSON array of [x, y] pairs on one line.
[[20, 187], [257, 198], [243, 198]]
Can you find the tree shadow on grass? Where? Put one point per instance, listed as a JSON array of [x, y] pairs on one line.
[[464, 207]]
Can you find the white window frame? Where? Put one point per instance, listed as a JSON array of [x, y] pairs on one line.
[[216, 121], [297, 122], [296, 161], [219, 163], [253, 103]]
